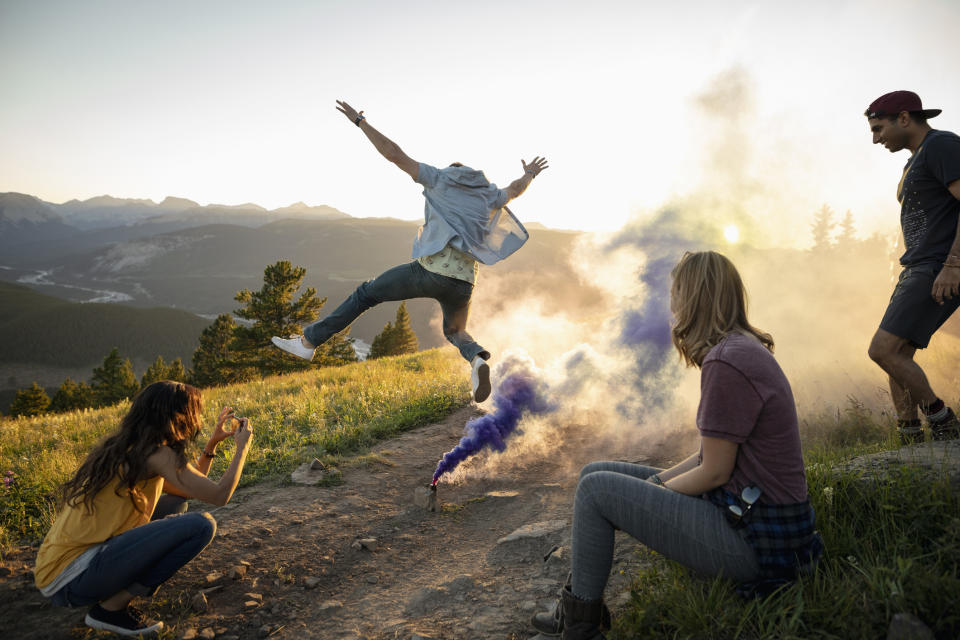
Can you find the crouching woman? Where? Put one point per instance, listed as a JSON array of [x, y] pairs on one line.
[[738, 507], [103, 549]]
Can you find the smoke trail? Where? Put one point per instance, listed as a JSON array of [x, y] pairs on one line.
[[519, 393]]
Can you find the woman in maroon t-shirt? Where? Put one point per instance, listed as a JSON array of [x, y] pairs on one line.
[[703, 512]]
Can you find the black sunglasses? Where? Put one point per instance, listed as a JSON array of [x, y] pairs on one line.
[[736, 514]]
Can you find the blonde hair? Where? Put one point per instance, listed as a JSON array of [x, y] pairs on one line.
[[709, 303]]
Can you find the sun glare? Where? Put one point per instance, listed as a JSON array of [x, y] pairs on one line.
[[731, 233]]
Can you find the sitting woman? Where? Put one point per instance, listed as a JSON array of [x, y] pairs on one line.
[[738, 507], [103, 549]]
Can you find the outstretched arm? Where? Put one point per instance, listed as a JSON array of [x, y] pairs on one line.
[[530, 171], [387, 147]]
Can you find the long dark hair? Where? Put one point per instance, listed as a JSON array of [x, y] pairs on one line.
[[165, 412]]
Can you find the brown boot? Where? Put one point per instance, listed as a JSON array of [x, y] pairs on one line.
[[549, 623], [581, 618]]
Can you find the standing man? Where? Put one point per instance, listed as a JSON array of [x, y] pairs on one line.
[[928, 291], [466, 221]]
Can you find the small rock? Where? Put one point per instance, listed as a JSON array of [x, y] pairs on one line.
[[256, 543], [238, 572], [905, 626], [266, 532], [311, 582], [356, 545], [250, 605], [208, 634], [425, 498], [329, 607], [189, 634], [219, 630], [213, 577], [373, 578], [254, 596], [370, 544], [245, 563], [199, 603]]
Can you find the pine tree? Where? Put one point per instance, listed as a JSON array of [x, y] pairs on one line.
[[114, 380], [848, 232], [214, 361], [822, 228], [155, 372], [176, 371], [397, 338], [71, 396], [382, 343], [404, 338], [275, 312], [30, 402]]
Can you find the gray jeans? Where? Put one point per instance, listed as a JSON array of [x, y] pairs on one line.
[[690, 530], [406, 282]]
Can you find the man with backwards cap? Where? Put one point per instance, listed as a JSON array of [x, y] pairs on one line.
[[466, 221], [928, 290]]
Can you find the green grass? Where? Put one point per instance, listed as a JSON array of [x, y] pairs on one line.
[[325, 414], [891, 547]]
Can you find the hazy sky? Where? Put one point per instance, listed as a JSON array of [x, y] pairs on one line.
[[232, 102]]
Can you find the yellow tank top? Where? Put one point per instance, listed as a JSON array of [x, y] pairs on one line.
[[76, 529]]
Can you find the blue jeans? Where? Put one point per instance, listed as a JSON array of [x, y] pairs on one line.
[[688, 529], [406, 282], [139, 560]]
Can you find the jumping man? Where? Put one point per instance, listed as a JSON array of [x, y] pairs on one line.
[[466, 222]]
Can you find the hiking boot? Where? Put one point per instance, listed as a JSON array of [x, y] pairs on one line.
[[480, 377], [581, 618], [293, 346], [126, 622], [550, 622], [910, 431], [946, 429]]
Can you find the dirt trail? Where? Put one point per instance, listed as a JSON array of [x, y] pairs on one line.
[[433, 575]]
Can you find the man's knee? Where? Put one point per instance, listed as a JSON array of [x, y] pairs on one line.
[[886, 347]]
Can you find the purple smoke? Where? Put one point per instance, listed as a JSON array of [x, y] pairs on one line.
[[517, 394]]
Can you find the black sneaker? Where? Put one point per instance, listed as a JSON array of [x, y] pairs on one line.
[[910, 431], [946, 429], [127, 622]]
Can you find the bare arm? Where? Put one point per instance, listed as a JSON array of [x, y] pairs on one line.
[[719, 458], [530, 171], [680, 467], [947, 283], [387, 147], [189, 482], [203, 462]]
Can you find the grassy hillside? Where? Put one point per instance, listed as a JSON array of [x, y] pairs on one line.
[[39, 329], [295, 418]]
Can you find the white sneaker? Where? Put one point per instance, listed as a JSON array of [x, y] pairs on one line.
[[480, 377], [293, 346]]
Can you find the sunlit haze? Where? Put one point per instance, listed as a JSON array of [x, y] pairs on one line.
[[233, 102]]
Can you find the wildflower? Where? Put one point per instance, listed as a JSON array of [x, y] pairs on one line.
[[828, 495], [8, 478]]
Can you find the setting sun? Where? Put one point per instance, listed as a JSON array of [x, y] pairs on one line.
[[731, 233]]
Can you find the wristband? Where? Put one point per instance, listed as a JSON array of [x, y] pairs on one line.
[[360, 118], [655, 479], [531, 173], [207, 454]]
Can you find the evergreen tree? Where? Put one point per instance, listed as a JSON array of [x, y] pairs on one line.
[[155, 372], [30, 402], [176, 371], [72, 396], [848, 232], [397, 338], [274, 311], [214, 361], [382, 343], [404, 339], [822, 228], [114, 380]]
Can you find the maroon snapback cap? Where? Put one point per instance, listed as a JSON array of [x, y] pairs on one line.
[[891, 104]]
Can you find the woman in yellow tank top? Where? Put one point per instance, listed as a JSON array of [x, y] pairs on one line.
[[103, 549]]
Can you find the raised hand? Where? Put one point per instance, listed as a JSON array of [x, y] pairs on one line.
[[536, 165], [351, 113], [219, 433]]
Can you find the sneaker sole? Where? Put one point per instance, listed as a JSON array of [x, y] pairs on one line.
[[93, 623], [483, 383]]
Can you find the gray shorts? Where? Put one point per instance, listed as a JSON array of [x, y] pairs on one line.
[[912, 313]]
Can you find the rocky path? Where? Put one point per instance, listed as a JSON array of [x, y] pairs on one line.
[[360, 559]]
